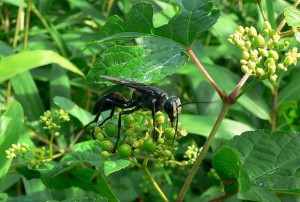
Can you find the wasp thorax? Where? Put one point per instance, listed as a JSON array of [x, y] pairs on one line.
[[172, 107]]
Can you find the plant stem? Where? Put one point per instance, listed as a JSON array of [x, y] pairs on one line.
[[18, 25], [51, 145], [152, 180], [233, 96], [274, 108], [27, 24], [203, 152], [282, 23], [205, 73], [262, 10], [246, 89]]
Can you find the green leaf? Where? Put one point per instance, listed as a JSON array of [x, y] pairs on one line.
[[28, 95], [114, 166], [85, 152], [11, 124], [226, 163], [194, 17], [82, 115], [15, 3], [253, 193], [83, 179], [86, 199], [292, 16], [21, 62], [202, 125], [272, 160], [290, 92], [149, 62]]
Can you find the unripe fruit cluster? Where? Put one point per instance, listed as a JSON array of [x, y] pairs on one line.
[[261, 51], [52, 121], [137, 137]]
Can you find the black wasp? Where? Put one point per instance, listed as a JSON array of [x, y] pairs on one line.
[[144, 97]]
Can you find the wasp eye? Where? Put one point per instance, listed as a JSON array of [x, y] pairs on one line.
[[172, 107]]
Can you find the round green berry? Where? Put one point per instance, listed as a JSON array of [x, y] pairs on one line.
[[167, 153], [160, 140], [97, 129], [130, 132], [160, 118], [107, 145], [169, 133], [105, 154], [129, 121], [124, 150], [149, 145], [111, 129], [100, 136]]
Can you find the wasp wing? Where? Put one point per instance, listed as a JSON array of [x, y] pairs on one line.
[[131, 84]]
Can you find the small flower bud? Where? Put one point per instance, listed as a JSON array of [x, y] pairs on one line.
[[252, 31], [260, 72], [251, 64], [245, 55], [273, 78], [258, 41], [273, 54], [240, 29], [243, 62], [288, 60], [281, 66], [245, 69], [267, 25], [247, 44]]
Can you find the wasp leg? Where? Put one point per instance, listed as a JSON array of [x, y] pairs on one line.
[[119, 124], [154, 120]]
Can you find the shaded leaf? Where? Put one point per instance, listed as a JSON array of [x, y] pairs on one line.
[[114, 166]]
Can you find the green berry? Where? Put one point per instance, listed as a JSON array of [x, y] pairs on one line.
[[160, 140], [111, 129], [105, 154], [137, 151], [260, 72], [130, 132], [169, 133], [129, 121], [160, 118], [107, 145], [97, 129], [267, 25], [167, 153], [100, 136], [124, 150], [149, 145]]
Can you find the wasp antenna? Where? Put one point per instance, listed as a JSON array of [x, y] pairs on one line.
[[197, 102]]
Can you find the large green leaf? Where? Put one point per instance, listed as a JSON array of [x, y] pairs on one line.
[[272, 160], [11, 124], [21, 62], [194, 17], [114, 166], [290, 92], [149, 62]]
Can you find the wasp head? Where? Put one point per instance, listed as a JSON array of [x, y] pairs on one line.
[[172, 107]]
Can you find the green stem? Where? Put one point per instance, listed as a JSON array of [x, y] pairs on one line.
[[274, 108], [203, 152], [152, 180], [27, 24], [282, 23], [262, 10], [47, 26], [51, 145], [18, 25]]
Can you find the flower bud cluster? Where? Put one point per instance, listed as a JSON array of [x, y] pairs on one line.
[[137, 137], [16, 150], [52, 121], [261, 51], [191, 154], [35, 156]]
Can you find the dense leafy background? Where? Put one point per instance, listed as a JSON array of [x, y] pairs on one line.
[[64, 40]]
